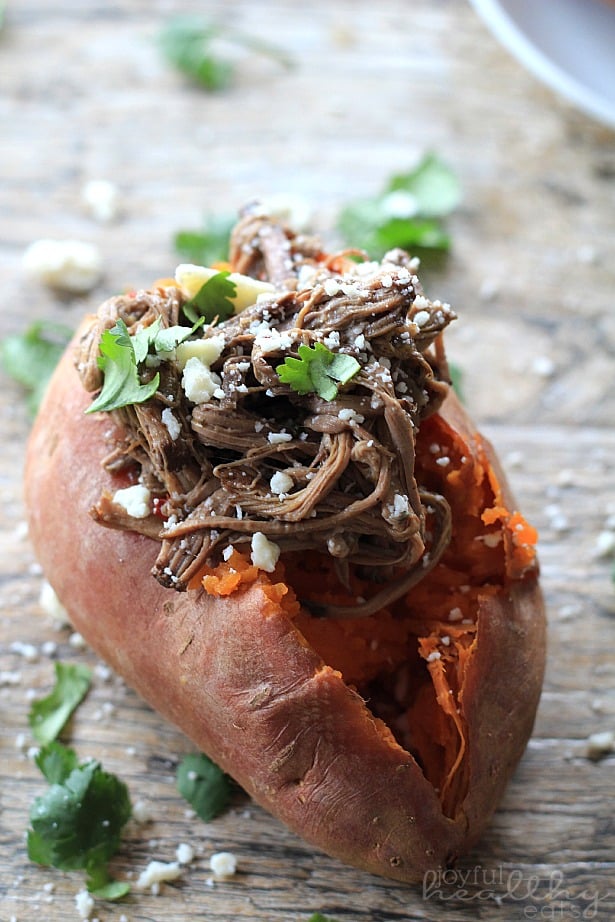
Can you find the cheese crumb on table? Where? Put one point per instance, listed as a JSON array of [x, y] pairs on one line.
[[101, 198], [158, 872], [223, 864], [84, 904], [184, 853], [66, 265]]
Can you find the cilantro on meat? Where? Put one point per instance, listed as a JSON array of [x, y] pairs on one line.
[[49, 715], [204, 785], [318, 370], [119, 364], [121, 355], [214, 300]]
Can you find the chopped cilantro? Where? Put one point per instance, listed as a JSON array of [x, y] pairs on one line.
[[408, 213], [77, 823], [318, 917], [208, 245], [56, 762], [31, 357], [49, 715], [195, 46], [318, 370], [204, 785], [119, 363], [121, 355], [213, 300]]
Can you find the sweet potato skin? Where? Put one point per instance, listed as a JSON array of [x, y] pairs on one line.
[[246, 688]]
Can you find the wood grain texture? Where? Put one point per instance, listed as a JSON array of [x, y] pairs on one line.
[[85, 95]]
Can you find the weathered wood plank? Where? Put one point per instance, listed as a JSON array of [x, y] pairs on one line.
[[86, 95]]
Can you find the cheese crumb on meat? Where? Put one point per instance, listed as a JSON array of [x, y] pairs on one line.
[[265, 553], [199, 381], [136, 500]]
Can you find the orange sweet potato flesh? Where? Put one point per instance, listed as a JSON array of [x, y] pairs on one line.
[[252, 680]]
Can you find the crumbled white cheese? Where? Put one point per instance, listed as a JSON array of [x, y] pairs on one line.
[[199, 381], [171, 422], [157, 872], [9, 678], [51, 604], [600, 744], [281, 482], [492, 539], [400, 507], [227, 553], [136, 500], [543, 366], [141, 812], [351, 416], [276, 438], [84, 904], [421, 318], [265, 553], [605, 544], [184, 853], [27, 650], [223, 864], [67, 265], [332, 340], [206, 350], [101, 198], [455, 614], [269, 339], [433, 656], [76, 641], [332, 287], [443, 461]]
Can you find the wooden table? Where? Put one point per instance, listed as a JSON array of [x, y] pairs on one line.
[[86, 95]]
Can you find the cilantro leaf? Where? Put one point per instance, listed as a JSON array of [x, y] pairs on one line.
[[77, 824], [433, 186], [185, 41], [206, 246], [318, 917], [30, 357], [408, 213], [56, 762], [318, 370], [118, 361], [189, 43], [49, 715], [101, 885], [213, 299], [204, 785]]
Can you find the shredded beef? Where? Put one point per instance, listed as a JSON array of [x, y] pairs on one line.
[[348, 462]]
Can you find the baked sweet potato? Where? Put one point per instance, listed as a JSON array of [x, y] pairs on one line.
[[382, 732]]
